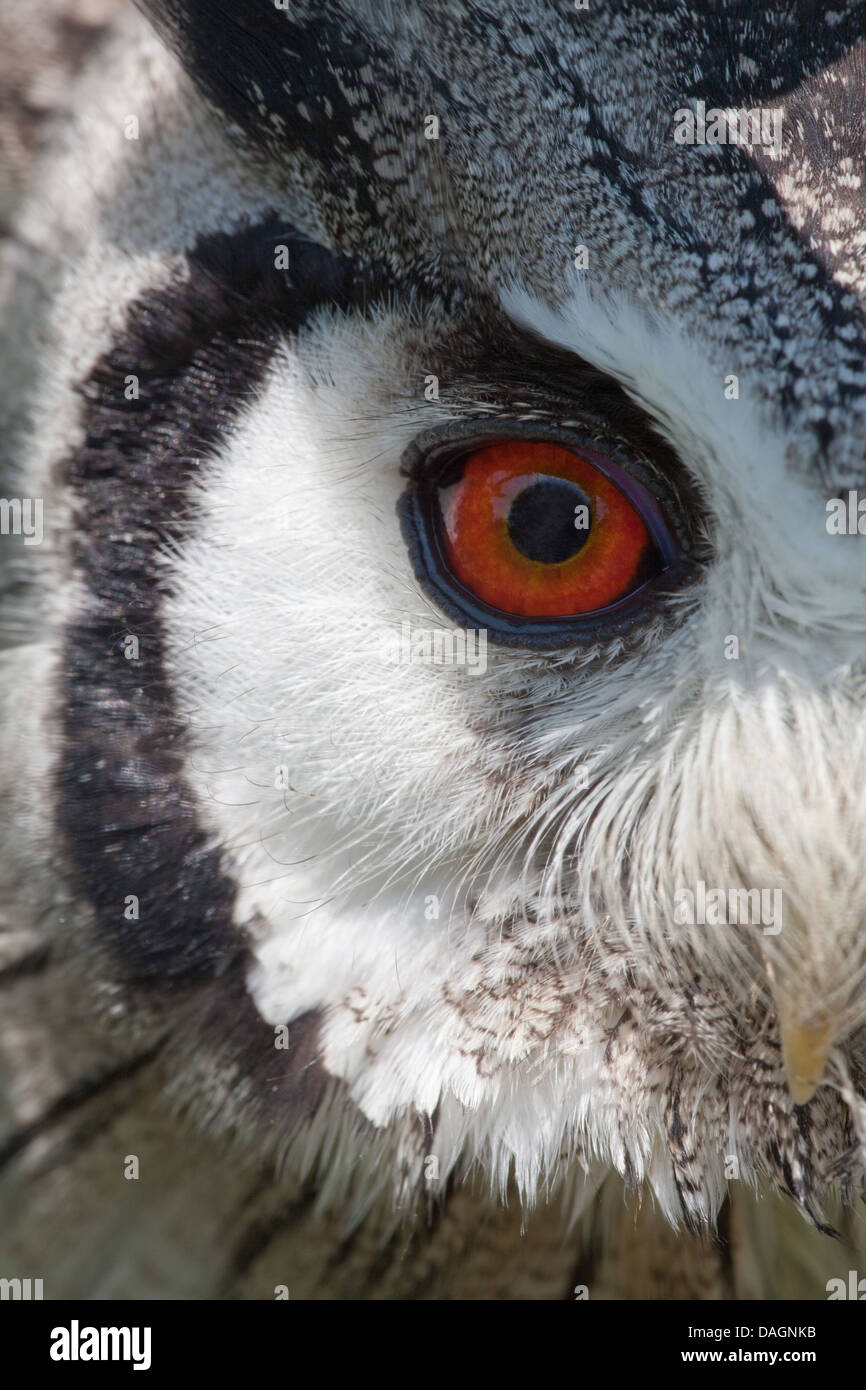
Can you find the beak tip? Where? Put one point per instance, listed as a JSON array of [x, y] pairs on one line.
[[802, 1090], [805, 1048]]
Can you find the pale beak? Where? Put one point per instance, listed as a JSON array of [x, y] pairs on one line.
[[805, 1047], [806, 1040]]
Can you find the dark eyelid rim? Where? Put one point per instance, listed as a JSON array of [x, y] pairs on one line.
[[527, 379]]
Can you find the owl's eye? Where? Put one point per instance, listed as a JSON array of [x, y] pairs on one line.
[[536, 530], [540, 533]]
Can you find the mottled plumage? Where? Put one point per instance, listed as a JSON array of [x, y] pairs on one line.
[[399, 940]]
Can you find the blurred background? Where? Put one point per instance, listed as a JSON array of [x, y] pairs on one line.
[[43, 43]]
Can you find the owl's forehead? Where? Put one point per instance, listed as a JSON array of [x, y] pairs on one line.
[[404, 121], [475, 148]]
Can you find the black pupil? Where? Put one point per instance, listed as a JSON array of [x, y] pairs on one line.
[[544, 522]]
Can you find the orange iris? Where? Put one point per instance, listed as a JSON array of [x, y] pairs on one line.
[[535, 530]]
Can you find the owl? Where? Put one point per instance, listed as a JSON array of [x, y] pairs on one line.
[[434, 654]]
